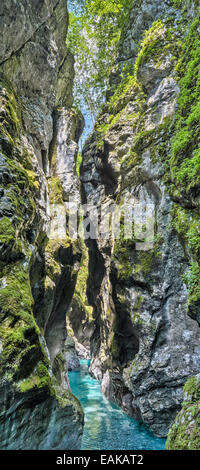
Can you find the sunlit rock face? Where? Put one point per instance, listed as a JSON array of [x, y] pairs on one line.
[[72, 359], [145, 345], [38, 261]]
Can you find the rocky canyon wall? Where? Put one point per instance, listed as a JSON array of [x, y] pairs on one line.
[[38, 261], [144, 150], [132, 303]]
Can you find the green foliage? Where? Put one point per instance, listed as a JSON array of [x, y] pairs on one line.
[[184, 161], [94, 32], [128, 85], [192, 390], [184, 3], [155, 43], [153, 38], [185, 155], [187, 225], [192, 279], [177, 3]]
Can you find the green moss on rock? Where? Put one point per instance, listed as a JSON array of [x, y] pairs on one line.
[[185, 432], [19, 333], [55, 190], [187, 225], [121, 258], [10, 110], [7, 232], [114, 346], [184, 161], [153, 40], [80, 293], [24, 364], [78, 164], [192, 279], [39, 379]]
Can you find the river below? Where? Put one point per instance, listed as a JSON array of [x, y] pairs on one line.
[[107, 427]]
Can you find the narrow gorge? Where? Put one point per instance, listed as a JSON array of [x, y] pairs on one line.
[[129, 304]]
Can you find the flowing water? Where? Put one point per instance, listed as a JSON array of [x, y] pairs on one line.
[[107, 427]]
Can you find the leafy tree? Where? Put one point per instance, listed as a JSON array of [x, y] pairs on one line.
[[94, 33]]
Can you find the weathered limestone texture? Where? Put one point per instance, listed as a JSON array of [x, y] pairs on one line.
[[80, 321], [71, 354], [145, 345], [38, 261]]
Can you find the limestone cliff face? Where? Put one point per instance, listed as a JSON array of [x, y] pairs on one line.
[[38, 261], [144, 150]]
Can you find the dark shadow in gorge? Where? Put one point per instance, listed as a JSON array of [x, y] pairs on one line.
[[126, 338], [52, 293], [97, 271]]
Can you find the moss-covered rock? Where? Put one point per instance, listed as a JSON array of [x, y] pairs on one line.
[[19, 332], [182, 171], [34, 269], [185, 158], [80, 319], [185, 432]]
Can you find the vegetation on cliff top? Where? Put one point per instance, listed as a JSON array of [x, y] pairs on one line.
[[93, 36]]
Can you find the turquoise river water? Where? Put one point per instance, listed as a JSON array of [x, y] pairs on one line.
[[107, 427]]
